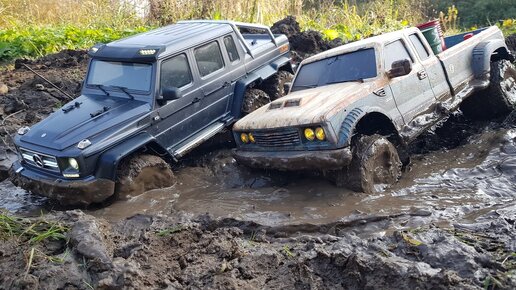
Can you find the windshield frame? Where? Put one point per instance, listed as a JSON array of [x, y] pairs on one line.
[[372, 46], [137, 93]]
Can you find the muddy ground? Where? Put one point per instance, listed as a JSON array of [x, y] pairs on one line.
[[449, 223]]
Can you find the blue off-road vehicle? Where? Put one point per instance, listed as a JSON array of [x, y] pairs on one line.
[[146, 101]]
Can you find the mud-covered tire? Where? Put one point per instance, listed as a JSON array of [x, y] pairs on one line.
[[498, 99], [375, 161], [275, 85], [140, 173], [254, 99]]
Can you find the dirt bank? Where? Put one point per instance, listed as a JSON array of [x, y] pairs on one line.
[[176, 253]]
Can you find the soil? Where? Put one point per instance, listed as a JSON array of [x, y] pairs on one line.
[[449, 223]]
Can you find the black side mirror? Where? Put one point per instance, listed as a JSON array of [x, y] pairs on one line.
[[400, 68], [169, 94], [286, 87]]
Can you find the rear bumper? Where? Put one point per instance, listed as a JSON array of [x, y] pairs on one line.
[[82, 191], [295, 160]]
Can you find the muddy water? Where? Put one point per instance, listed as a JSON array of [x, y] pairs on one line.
[[441, 186]]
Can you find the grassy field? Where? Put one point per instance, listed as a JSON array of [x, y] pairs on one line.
[[33, 28]]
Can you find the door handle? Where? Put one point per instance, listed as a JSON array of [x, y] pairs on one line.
[[226, 84], [422, 75], [196, 99]]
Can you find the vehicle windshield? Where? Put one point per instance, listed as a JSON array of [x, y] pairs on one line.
[[132, 76], [353, 66]]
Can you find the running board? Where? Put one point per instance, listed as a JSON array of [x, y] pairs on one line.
[[197, 140]]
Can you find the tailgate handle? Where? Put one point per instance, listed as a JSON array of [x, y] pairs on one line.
[[421, 75]]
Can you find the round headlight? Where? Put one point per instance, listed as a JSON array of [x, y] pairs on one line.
[[251, 138], [319, 133], [73, 163], [309, 134], [244, 138]]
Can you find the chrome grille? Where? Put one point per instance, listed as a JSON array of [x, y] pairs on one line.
[[40, 160], [278, 138]]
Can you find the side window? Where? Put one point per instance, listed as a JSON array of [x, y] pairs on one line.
[[175, 72], [231, 48], [209, 58], [395, 51], [420, 48]]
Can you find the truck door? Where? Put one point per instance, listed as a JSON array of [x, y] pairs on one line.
[[412, 92], [433, 67], [215, 80], [178, 119]]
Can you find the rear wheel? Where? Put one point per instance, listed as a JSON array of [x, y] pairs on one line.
[[254, 99], [499, 98], [275, 85], [140, 173], [375, 161]]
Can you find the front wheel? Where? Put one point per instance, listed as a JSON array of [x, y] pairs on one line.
[[140, 173], [499, 98], [375, 161]]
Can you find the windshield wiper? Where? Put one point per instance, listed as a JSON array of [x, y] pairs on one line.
[[346, 81], [100, 87], [123, 89]]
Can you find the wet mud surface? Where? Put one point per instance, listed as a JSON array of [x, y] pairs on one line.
[[450, 222]]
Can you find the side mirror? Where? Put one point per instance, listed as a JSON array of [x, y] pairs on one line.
[[286, 87], [400, 68], [169, 94]]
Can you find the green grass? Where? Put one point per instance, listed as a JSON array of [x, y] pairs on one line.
[[29, 231]]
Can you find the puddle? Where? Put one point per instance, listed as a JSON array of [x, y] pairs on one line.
[[448, 184]]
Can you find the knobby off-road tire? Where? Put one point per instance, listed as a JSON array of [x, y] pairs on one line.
[[498, 99], [254, 99], [274, 86], [375, 161], [140, 173]]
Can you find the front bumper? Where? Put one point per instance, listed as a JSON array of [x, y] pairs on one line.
[[295, 160], [83, 191]]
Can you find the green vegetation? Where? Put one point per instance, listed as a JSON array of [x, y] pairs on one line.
[[33, 28], [30, 231]]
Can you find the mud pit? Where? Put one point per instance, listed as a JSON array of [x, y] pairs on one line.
[[448, 223]]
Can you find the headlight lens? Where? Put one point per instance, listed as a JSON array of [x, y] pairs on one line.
[[309, 134], [319, 133], [244, 138], [73, 163], [251, 138]]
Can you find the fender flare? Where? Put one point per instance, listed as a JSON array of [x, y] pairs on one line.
[[482, 57], [108, 161], [348, 126]]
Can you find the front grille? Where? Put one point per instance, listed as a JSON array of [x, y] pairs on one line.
[[40, 160], [278, 138]]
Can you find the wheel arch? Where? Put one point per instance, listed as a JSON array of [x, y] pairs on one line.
[[486, 52], [109, 160], [359, 121]]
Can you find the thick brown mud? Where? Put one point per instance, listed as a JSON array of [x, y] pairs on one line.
[[448, 223]]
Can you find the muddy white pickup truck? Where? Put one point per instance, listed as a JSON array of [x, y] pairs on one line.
[[351, 110]]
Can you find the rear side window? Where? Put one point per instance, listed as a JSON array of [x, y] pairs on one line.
[[395, 51], [231, 48], [420, 48], [209, 58], [175, 72]]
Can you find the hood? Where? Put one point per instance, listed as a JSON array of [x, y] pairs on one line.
[[93, 115], [310, 106]]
